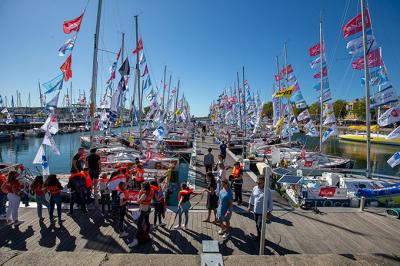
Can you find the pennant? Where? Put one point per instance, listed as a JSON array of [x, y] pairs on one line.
[[316, 62], [332, 131], [303, 115], [4, 111], [376, 77], [51, 85], [324, 73], [73, 25], [139, 47], [385, 96], [329, 119], [278, 77], [374, 60], [125, 69], [391, 116], [9, 120], [355, 24], [50, 125], [160, 132], [285, 92], [356, 46], [394, 160], [49, 141], [66, 68], [325, 84], [67, 46], [147, 83], [39, 156], [53, 102], [145, 72], [326, 96], [142, 59], [395, 134], [315, 50]]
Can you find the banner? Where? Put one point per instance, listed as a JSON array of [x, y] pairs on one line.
[[303, 115], [332, 131], [325, 84], [383, 97], [67, 46], [72, 25], [374, 60], [285, 92], [66, 68], [49, 141], [391, 116], [394, 160], [356, 46], [324, 73], [355, 24], [315, 50], [376, 77], [395, 134]]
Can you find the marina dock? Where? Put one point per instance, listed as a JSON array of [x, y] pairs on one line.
[[292, 232]]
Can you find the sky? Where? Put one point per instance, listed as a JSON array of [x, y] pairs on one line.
[[203, 43]]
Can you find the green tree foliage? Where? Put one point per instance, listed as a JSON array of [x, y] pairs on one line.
[[267, 109], [359, 110], [314, 108], [339, 108]]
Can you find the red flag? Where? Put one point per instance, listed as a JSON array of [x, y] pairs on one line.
[[146, 71], [139, 47], [73, 25], [119, 52], [289, 70], [374, 60], [355, 25], [315, 50], [324, 73], [66, 68], [278, 77]]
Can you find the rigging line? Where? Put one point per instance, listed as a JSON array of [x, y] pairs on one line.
[[344, 15]]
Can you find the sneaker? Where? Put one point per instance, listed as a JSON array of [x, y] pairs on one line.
[[3, 217], [41, 219], [17, 223], [10, 222], [177, 227], [225, 236], [221, 232], [183, 226], [123, 234], [134, 243]]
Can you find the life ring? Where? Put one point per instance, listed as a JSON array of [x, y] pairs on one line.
[[326, 203]]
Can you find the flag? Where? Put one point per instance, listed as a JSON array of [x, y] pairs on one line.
[[391, 116], [73, 25], [374, 60], [51, 85], [325, 84], [278, 77], [303, 115], [326, 96], [328, 109], [315, 50], [394, 160], [150, 96], [324, 73], [312, 131], [385, 96], [142, 59], [287, 69], [146, 71], [376, 77], [9, 120], [355, 24], [330, 118], [49, 141], [139, 47], [395, 134], [53, 102], [160, 132], [147, 83], [285, 92], [67, 46], [40, 158], [356, 46], [4, 111], [122, 84], [125, 69], [66, 68], [332, 131], [50, 125], [316, 62]]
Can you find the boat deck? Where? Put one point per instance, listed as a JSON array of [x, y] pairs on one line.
[[338, 231]]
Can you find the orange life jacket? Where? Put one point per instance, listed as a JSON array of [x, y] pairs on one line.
[[236, 171], [87, 178], [139, 175], [147, 200], [184, 192], [126, 193]]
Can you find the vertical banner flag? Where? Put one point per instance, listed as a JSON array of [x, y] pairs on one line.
[[73, 25], [355, 24], [66, 68]]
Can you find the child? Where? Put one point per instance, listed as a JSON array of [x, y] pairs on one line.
[[112, 185], [54, 187], [212, 198], [77, 184], [104, 193], [38, 189], [123, 197], [184, 205], [158, 202], [139, 175]]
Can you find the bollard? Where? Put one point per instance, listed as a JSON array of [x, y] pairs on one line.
[[362, 204]]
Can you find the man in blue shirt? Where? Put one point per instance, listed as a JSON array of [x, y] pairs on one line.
[[256, 204], [222, 149]]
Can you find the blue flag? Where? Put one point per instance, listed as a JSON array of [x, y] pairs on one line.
[[56, 82], [376, 78]]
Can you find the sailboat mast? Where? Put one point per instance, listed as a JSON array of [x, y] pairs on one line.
[[240, 101], [321, 45], [138, 81], [367, 95], [123, 95], [163, 94], [288, 98], [244, 115], [380, 86], [40, 95], [94, 74], [176, 104]]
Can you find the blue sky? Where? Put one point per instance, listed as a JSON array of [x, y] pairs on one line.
[[203, 43]]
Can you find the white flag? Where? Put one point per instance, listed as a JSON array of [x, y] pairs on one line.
[[391, 116], [329, 119], [53, 102], [395, 134], [4, 111], [394, 160], [49, 141], [332, 131], [51, 124], [355, 46], [303, 115], [383, 97], [39, 156]]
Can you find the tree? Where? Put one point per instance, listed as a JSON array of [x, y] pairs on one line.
[[339, 108], [146, 110], [314, 108], [268, 110], [359, 109]]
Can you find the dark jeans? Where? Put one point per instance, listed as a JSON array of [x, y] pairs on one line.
[[3, 199], [158, 210], [258, 220], [122, 212], [143, 221], [77, 197], [208, 167], [238, 192], [55, 200], [105, 201]]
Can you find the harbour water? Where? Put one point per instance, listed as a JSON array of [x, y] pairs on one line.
[[24, 151]]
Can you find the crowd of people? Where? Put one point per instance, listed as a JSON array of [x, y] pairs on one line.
[[127, 184]]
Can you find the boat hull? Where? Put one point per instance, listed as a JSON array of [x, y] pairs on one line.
[[376, 139]]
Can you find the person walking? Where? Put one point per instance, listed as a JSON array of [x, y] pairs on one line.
[[237, 181], [54, 187], [77, 184], [123, 197], [224, 211], [256, 204], [212, 198], [94, 165], [184, 205], [78, 160], [158, 202], [208, 161], [222, 149], [105, 197], [39, 191], [14, 191]]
